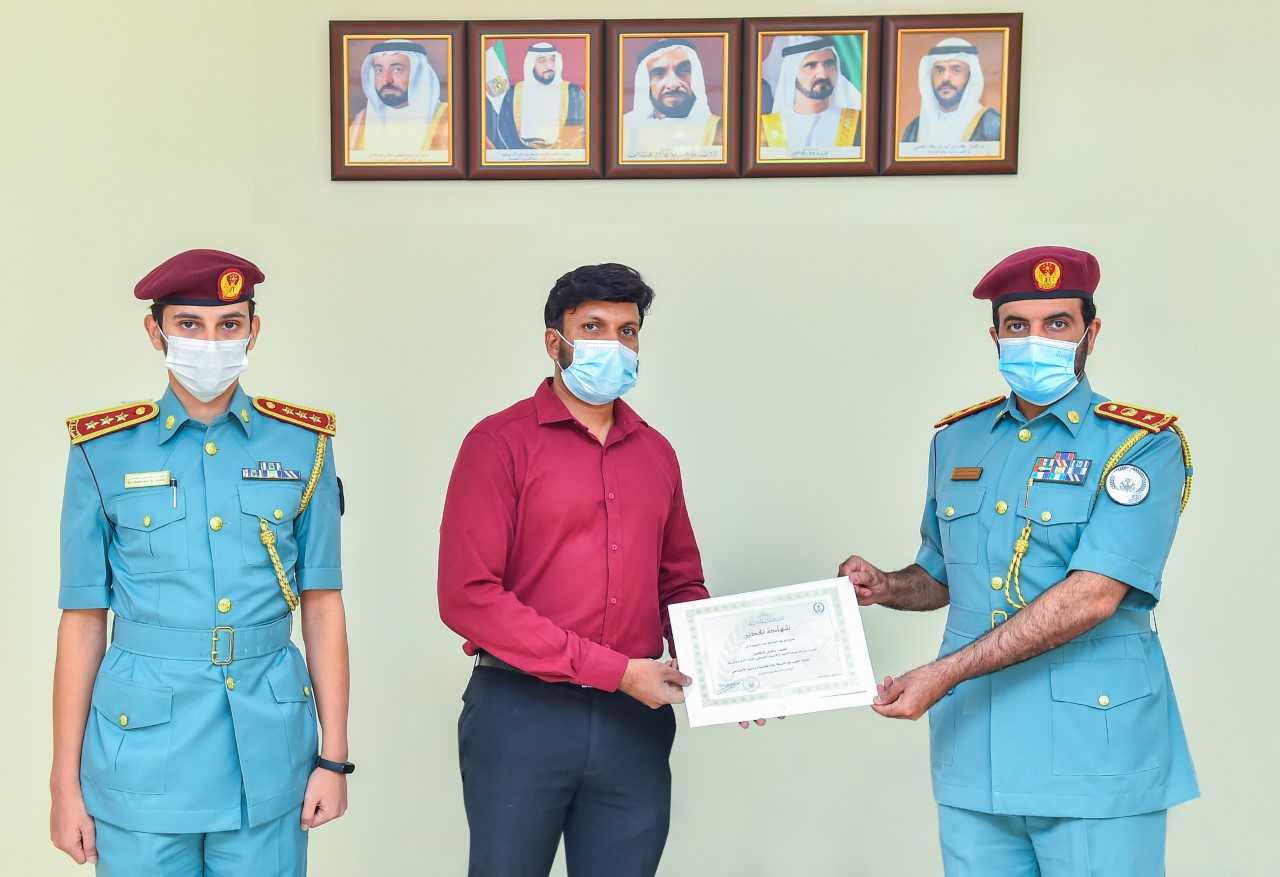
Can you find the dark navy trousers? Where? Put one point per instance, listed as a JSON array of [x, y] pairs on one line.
[[541, 760]]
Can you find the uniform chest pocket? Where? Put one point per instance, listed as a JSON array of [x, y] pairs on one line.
[[150, 530], [958, 506], [1106, 719], [275, 506], [1058, 513], [128, 738]]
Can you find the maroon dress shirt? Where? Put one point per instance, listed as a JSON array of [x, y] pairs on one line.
[[560, 555]]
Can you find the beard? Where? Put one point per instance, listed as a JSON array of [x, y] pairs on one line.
[[393, 96], [821, 89], [683, 106], [949, 103], [544, 78]]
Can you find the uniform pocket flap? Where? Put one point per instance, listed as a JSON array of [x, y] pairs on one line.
[[131, 705], [1063, 503], [958, 501], [149, 510], [270, 502], [285, 684], [1099, 684]]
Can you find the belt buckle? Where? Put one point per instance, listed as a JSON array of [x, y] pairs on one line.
[[231, 646], [1004, 616]]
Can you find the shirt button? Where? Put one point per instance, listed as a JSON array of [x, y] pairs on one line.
[[306, 691], [210, 448], [168, 422], [146, 520], [124, 720], [1024, 435], [224, 605], [613, 601], [278, 514], [613, 547], [1046, 516], [611, 495], [1103, 700], [244, 414], [997, 583], [950, 511], [231, 683], [1073, 416], [1002, 507], [215, 523]]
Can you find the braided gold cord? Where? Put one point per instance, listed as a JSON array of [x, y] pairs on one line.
[[1115, 458], [268, 537], [315, 475], [1014, 576], [1186, 461]]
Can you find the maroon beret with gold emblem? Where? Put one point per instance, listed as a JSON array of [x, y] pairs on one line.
[[1041, 272], [200, 277]]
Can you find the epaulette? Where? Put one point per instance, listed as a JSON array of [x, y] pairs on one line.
[[89, 426], [1143, 418], [965, 412], [309, 418]]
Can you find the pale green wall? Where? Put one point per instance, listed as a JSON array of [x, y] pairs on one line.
[[806, 335]]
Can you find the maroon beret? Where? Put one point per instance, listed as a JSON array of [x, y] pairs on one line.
[[1041, 272], [200, 277]]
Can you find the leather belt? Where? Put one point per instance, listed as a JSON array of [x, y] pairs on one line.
[[484, 659], [217, 645]]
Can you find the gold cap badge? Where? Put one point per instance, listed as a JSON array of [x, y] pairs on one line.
[[230, 283], [1048, 273]]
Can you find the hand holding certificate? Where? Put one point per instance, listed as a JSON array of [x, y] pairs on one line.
[[776, 652]]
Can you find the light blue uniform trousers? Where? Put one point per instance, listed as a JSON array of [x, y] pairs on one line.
[[976, 844], [271, 849]]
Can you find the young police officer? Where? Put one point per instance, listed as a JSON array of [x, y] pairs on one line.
[[202, 521]]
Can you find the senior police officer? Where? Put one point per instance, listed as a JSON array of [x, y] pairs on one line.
[[202, 521], [1056, 743]]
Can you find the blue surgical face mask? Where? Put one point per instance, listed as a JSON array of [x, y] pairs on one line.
[[601, 371], [1039, 370]]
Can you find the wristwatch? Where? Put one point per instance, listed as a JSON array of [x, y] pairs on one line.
[[343, 767]]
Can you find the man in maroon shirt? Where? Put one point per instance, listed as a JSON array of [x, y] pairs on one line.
[[565, 538]]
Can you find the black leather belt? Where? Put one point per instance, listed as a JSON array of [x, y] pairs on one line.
[[484, 659]]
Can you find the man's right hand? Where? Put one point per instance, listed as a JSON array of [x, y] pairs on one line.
[[870, 584], [653, 683], [71, 828]]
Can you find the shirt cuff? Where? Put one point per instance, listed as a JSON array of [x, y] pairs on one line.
[[932, 563], [1114, 566], [320, 579], [603, 668], [91, 597]]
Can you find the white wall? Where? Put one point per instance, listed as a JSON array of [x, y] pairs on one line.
[[806, 335]]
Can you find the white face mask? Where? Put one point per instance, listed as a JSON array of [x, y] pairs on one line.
[[206, 368]]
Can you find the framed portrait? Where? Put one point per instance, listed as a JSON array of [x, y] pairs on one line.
[[672, 101], [812, 89], [397, 107], [537, 93], [952, 94]]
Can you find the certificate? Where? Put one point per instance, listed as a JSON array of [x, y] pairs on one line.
[[777, 652]]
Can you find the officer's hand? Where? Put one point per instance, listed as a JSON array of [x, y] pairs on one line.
[[910, 696], [870, 584], [71, 829], [326, 798], [653, 683]]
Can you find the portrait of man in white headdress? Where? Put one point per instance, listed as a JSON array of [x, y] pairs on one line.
[[810, 108], [405, 118], [544, 112], [671, 117], [953, 120]]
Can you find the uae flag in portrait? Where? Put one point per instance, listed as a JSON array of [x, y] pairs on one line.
[[496, 85]]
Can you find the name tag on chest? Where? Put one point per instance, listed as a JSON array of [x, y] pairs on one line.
[[146, 479], [270, 471]]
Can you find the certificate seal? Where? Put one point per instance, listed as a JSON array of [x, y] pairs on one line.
[[819, 608]]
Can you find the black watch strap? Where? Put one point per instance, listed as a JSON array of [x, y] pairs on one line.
[[335, 766]]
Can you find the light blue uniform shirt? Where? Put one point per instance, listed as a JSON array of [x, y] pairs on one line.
[[1089, 729], [172, 745]]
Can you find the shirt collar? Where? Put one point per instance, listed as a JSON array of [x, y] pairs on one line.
[[173, 415], [1070, 410], [550, 409]]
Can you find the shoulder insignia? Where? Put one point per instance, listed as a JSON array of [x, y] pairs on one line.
[[89, 426], [1143, 418], [965, 412], [309, 418]]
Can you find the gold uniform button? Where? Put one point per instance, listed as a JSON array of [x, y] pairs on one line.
[[1103, 700], [244, 414], [950, 511], [146, 520], [215, 523], [231, 683], [224, 605], [1024, 435], [210, 448], [306, 691], [168, 422], [1002, 507], [1073, 416], [278, 514], [1046, 516], [124, 720], [997, 583]]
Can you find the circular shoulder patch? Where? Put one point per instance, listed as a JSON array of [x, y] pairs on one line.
[[1128, 485]]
